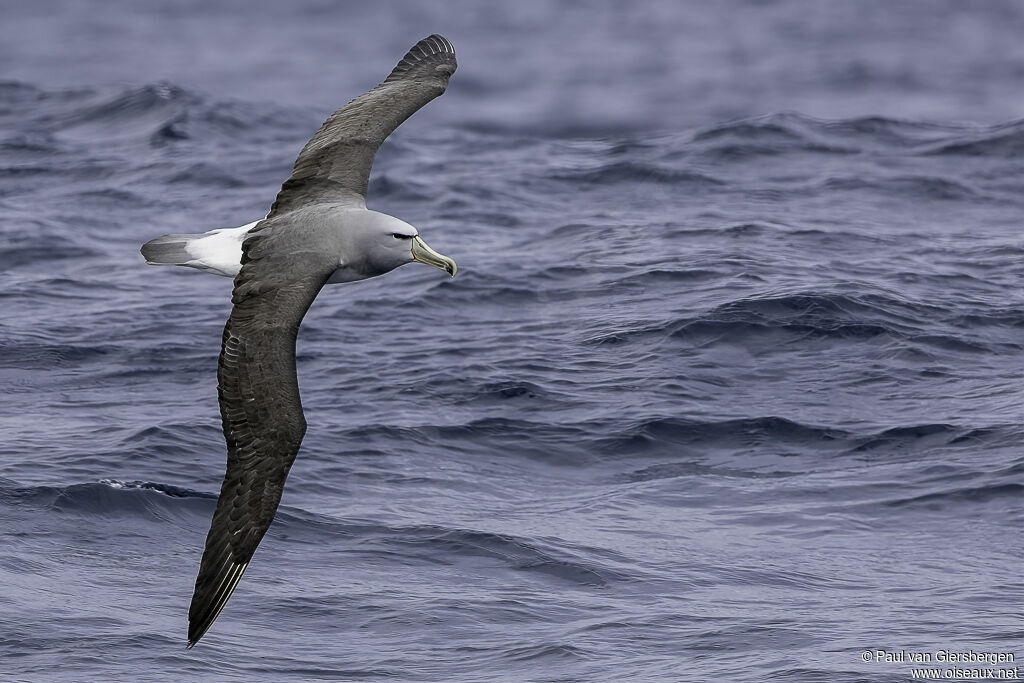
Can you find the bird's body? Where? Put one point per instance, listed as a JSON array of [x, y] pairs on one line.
[[318, 231], [340, 230]]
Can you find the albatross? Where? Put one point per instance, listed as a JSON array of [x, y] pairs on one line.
[[318, 231]]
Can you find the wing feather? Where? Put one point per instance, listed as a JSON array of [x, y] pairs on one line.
[[262, 418], [334, 166]]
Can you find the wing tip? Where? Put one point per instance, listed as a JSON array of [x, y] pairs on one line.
[[442, 43], [201, 619], [434, 47]]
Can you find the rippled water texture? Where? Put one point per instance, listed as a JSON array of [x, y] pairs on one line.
[[728, 386]]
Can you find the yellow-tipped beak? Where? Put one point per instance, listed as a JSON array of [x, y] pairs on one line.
[[424, 254]]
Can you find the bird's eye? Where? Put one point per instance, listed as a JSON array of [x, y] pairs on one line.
[[400, 236]]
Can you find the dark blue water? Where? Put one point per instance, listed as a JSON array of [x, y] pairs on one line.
[[729, 385]]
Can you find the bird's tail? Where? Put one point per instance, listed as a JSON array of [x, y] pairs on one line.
[[218, 251], [168, 250]]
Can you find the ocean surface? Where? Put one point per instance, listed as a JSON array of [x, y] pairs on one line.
[[729, 386]]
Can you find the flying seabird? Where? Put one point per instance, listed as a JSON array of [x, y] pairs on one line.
[[318, 231]]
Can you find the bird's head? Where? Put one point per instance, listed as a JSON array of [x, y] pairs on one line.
[[394, 243]]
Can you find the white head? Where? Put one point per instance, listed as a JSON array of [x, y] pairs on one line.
[[386, 242]]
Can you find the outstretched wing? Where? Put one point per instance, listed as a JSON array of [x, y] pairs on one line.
[[260, 409], [335, 164]]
